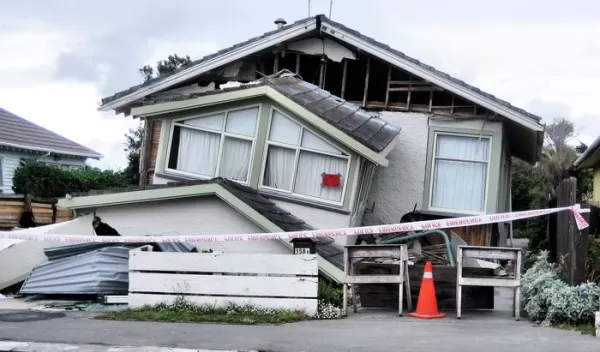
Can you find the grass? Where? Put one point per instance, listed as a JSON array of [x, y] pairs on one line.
[[585, 329], [182, 311]]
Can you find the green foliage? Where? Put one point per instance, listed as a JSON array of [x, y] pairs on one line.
[[182, 311], [47, 181], [133, 145], [330, 293], [548, 299], [163, 67]]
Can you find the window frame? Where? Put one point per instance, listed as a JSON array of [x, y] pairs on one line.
[[431, 175], [1, 173], [298, 148], [223, 134]]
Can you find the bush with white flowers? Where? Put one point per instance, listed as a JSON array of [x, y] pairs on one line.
[[326, 310], [548, 299]]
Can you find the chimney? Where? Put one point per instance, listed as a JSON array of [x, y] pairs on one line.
[[280, 22]]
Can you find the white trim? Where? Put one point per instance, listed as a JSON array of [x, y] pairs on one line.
[[223, 134], [50, 150], [432, 77], [215, 62], [297, 148], [1, 174], [487, 175]]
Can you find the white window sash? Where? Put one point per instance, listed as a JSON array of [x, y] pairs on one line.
[[222, 135], [486, 163], [298, 149]]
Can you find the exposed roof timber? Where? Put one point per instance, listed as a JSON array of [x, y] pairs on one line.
[[590, 158], [418, 70], [213, 63]]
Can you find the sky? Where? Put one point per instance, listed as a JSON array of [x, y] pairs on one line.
[[59, 58]]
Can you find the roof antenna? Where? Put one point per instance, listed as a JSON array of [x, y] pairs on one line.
[[330, 7], [308, 8]]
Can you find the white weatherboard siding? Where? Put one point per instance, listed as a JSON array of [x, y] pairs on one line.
[[270, 281], [184, 216], [10, 161], [399, 186]]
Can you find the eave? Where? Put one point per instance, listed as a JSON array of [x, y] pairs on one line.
[[213, 63]]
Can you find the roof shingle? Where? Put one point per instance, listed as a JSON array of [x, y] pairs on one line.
[[16, 132]]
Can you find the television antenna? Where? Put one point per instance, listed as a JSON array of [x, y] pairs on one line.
[[330, 8]]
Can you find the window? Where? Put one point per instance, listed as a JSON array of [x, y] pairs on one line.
[[460, 172], [297, 159], [214, 145]]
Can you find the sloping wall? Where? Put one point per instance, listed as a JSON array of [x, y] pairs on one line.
[[398, 187]]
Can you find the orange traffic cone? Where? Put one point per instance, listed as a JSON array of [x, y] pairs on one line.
[[427, 304]]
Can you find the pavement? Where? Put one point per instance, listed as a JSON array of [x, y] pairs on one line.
[[368, 330]]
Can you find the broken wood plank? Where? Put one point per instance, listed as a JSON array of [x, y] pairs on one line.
[[345, 70], [387, 91], [366, 91], [297, 63]]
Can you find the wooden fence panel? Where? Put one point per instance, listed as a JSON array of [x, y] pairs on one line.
[[265, 280]]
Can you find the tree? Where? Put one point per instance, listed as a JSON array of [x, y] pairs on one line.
[[133, 145], [164, 67], [133, 139]]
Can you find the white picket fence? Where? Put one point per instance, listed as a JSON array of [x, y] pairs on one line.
[[266, 280]]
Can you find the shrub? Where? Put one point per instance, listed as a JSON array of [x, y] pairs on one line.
[[330, 300], [48, 181], [547, 298]]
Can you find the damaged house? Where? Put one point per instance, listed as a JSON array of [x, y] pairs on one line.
[[313, 126]]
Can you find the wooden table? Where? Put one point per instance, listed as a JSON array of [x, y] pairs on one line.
[[398, 253], [487, 253]]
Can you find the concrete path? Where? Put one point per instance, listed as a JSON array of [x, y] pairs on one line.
[[366, 331]]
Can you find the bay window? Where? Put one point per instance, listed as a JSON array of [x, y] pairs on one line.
[[459, 180], [218, 144], [297, 161]]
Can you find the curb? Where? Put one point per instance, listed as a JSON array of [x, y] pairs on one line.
[[18, 346]]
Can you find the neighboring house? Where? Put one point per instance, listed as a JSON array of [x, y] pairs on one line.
[[590, 159], [335, 128], [22, 139]]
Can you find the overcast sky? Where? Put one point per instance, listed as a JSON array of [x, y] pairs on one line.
[[59, 58]]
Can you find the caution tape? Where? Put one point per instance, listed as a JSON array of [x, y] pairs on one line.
[[365, 230]]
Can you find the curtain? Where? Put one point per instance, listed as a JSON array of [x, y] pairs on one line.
[[308, 177], [460, 185], [280, 168], [236, 159], [198, 151]]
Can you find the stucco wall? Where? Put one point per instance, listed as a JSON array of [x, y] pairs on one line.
[[398, 187], [188, 216], [10, 162]]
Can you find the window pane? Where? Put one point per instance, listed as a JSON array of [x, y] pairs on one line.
[[198, 151], [309, 140], [283, 130], [462, 147], [236, 159], [212, 122], [311, 166], [459, 185], [242, 121], [279, 168]]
